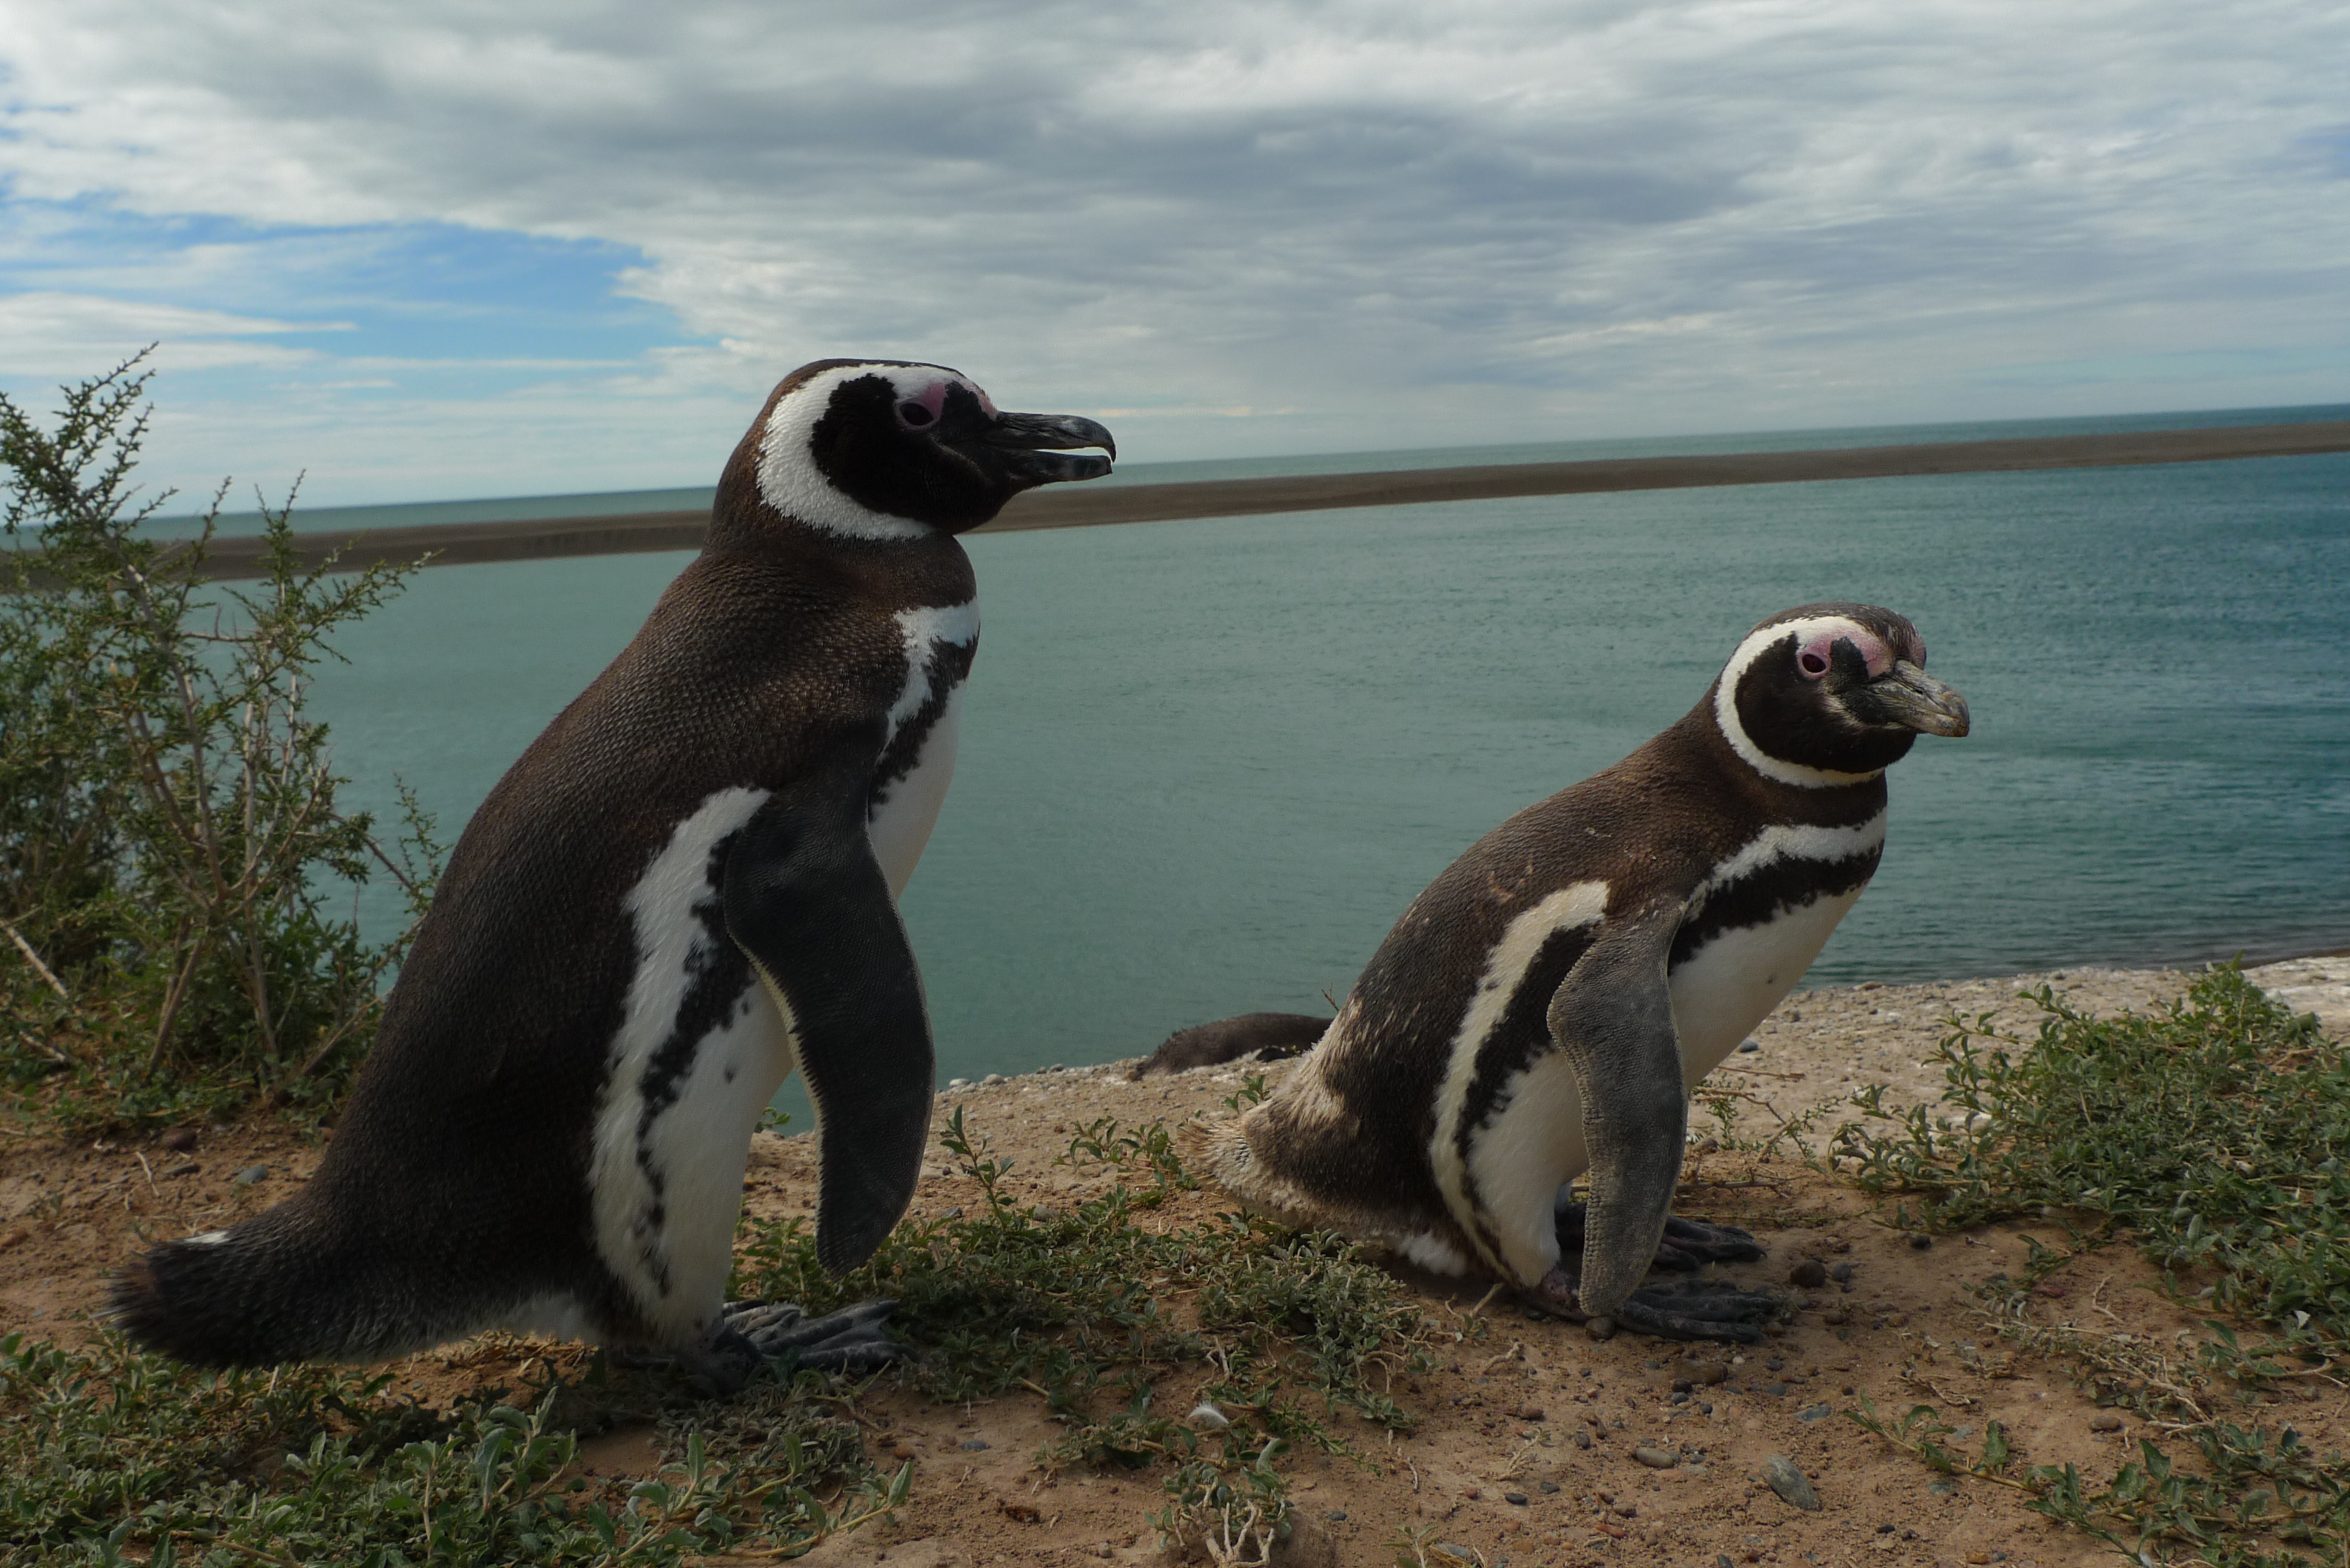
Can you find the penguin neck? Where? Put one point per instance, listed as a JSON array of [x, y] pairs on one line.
[[1839, 800], [932, 570]]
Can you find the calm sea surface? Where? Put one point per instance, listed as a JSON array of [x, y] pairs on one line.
[[1206, 764]]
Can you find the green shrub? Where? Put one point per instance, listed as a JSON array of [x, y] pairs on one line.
[[169, 842]]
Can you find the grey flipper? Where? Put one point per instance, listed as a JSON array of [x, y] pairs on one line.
[[1612, 1018], [806, 899]]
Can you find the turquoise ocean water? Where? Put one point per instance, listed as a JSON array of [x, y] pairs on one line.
[[1206, 764]]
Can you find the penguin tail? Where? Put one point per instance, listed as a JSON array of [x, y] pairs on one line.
[[274, 1289]]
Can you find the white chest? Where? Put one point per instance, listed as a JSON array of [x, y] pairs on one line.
[[925, 719], [1733, 983]]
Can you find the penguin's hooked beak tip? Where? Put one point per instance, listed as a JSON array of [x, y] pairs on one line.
[[1042, 449], [1907, 696]]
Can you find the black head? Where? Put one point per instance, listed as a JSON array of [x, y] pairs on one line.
[[1831, 694], [883, 449]]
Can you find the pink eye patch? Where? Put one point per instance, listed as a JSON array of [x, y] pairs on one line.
[[1817, 653]]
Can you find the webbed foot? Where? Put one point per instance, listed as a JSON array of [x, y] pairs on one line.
[[1685, 1309], [749, 1334], [1688, 1246], [849, 1340], [1699, 1309]]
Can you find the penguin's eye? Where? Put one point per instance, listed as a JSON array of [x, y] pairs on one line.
[[1813, 663], [915, 415]]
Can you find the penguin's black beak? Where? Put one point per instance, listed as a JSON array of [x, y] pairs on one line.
[[1034, 449], [1907, 696]]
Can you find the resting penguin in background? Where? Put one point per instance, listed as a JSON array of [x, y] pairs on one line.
[[1540, 1011], [685, 889]]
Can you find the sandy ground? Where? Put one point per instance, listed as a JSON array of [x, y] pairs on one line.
[[1526, 1454]]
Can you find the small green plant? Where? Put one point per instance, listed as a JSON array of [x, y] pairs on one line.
[[1286, 1333], [104, 1452], [2209, 1134], [171, 848]]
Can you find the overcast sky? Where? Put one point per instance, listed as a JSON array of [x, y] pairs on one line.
[[427, 249]]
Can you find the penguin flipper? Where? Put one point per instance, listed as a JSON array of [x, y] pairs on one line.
[[1612, 1018], [806, 899]]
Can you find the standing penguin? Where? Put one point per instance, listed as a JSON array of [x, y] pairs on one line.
[[1542, 1009], [685, 889]]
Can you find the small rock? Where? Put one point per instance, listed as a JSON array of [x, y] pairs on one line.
[[1205, 1414], [1627, 1511], [1809, 1275], [1920, 1241], [958, 1083], [1472, 1493], [1750, 1046], [1516, 1499], [1815, 1412], [973, 1445], [249, 1175], [1548, 1489], [901, 1452], [182, 1167], [991, 1078], [2105, 1421], [1656, 1459], [1582, 1438], [1841, 1274], [1711, 1373], [1337, 1515], [178, 1140], [1529, 1413], [1601, 1328], [1784, 1479], [1943, 1487], [1776, 1390]]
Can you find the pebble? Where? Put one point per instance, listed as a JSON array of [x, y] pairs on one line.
[[1816, 1413], [1810, 1274], [1841, 1274], [1656, 1459], [973, 1445], [178, 1140], [1750, 1046], [1788, 1482], [1548, 1489], [2105, 1421], [1582, 1438], [1920, 1241], [958, 1083], [993, 1079], [1337, 1515], [249, 1175], [1517, 1498], [1712, 1372]]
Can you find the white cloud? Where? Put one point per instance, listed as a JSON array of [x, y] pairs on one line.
[[69, 336], [1410, 225]]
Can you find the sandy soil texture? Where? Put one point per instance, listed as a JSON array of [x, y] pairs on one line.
[[1526, 1452]]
